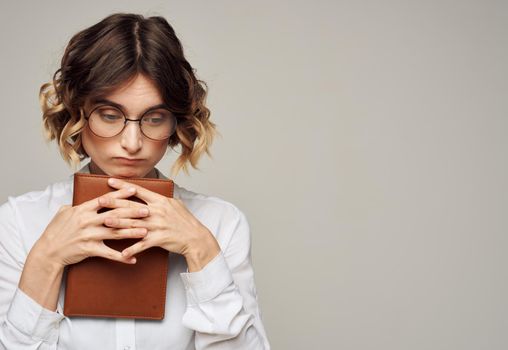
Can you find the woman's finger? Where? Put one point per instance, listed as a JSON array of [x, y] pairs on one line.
[[110, 202], [125, 192], [141, 192], [136, 248], [121, 213], [119, 223], [123, 233], [109, 253]]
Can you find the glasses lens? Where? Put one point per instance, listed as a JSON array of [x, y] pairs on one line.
[[158, 124], [106, 121]]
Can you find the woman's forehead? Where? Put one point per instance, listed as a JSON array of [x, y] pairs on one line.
[[133, 95]]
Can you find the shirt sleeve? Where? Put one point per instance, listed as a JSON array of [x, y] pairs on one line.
[[222, 304], [24, 324]]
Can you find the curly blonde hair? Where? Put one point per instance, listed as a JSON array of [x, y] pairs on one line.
[[102, 57]]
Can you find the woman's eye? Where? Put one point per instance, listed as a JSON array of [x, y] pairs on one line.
[[108, 116], [155, 118]]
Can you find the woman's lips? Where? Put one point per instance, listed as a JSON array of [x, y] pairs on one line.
[[128, 161]]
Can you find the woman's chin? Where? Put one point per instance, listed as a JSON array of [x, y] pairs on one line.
[[122, 173], [126, 174], [130, 172]]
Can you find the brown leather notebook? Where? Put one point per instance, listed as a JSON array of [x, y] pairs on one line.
[[99, 287]]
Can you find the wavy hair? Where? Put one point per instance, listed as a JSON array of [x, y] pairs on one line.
[[102, 57]]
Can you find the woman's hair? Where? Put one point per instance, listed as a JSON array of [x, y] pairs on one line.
[[110, 53]]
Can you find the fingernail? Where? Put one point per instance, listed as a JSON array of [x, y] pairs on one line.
[[131, 189], [143, 211], [102, 201], [111, 181], [133, 261]]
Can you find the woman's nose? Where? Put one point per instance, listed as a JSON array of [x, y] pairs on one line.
[[132, 138]]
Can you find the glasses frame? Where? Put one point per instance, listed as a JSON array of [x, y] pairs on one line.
[[87, 117]]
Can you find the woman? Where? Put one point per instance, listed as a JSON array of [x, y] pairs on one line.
[[125, 93]]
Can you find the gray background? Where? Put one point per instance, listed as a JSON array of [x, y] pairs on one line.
[[365, 141]]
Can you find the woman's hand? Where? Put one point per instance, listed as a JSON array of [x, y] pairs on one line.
[[76, 233], [170, 226]]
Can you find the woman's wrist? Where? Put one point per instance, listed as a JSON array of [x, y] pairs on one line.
[[200, 254], [41, 252], [41, 279]]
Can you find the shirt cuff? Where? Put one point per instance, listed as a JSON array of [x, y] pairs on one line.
[[207, 283], [32, 319]]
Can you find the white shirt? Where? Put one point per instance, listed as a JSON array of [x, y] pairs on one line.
[[214, 308]]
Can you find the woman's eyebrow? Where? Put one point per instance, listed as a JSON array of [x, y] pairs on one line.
[[119, 106]]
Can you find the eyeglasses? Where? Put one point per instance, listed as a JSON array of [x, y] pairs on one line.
[[108, 121]]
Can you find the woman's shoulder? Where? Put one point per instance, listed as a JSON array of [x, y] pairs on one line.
[[27, 214], [54, 194]]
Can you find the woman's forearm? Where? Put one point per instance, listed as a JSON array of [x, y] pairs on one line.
[[41, 279]]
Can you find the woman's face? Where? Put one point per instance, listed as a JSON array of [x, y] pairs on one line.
[[108, 154]]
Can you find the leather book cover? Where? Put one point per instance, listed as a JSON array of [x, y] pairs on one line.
[[99, 287]]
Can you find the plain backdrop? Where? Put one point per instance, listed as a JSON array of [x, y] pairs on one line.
[[366, 142]]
